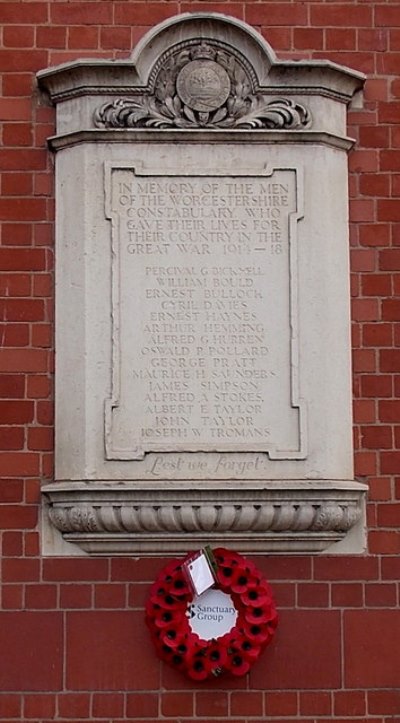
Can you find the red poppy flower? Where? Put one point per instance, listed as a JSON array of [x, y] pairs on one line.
[[167, 617], [166, 600], [199, 642], [226, 574], [170, 569], [172, 636], [177, 660], [179, 586], [259, 634], [199, 668], [217, 655], [164, 650], [158, 588], [243, 581], [251, 567], [152, 609], [259, 614], [250, 650], [187, 647], [227, 557], [238, 665], [273, 619], [256, 596]]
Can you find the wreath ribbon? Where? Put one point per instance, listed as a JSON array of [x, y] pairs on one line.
[[167, 617]]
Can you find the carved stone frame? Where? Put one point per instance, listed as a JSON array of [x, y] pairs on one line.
[[112, 404]]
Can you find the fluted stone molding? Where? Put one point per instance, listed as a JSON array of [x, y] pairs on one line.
[[257, 518]]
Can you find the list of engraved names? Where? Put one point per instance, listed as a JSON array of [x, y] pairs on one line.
[[204, 311]]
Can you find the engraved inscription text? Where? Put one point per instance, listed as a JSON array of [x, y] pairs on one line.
[[202, 313]]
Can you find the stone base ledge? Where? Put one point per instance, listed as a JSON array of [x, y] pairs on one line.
[[257, 517]]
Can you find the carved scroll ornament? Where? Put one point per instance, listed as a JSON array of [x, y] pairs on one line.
[[202, 87]]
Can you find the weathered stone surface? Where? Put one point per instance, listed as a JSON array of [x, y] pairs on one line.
[[206, 366], [203, 359]]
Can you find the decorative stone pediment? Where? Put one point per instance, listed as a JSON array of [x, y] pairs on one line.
[[202, 274]]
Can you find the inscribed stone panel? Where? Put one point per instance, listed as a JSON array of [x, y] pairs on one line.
[[204, 313]]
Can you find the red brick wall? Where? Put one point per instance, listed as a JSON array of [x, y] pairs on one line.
[[72, 642]]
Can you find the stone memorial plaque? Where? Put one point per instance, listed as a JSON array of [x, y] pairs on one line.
[[203, 367], [204, 313]]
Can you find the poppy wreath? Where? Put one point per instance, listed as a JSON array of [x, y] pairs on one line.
[[167, 617]]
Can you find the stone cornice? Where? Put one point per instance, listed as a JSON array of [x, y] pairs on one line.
[[264, 137], [101, 77]]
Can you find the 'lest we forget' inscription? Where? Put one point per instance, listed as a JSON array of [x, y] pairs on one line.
[[204, 313]]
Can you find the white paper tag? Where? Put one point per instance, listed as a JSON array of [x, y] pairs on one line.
[[200, 573]]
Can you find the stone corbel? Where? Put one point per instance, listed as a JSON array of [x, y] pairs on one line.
[[256, 517]]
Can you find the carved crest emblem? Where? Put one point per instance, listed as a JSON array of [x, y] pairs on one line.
[[202, 86]]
